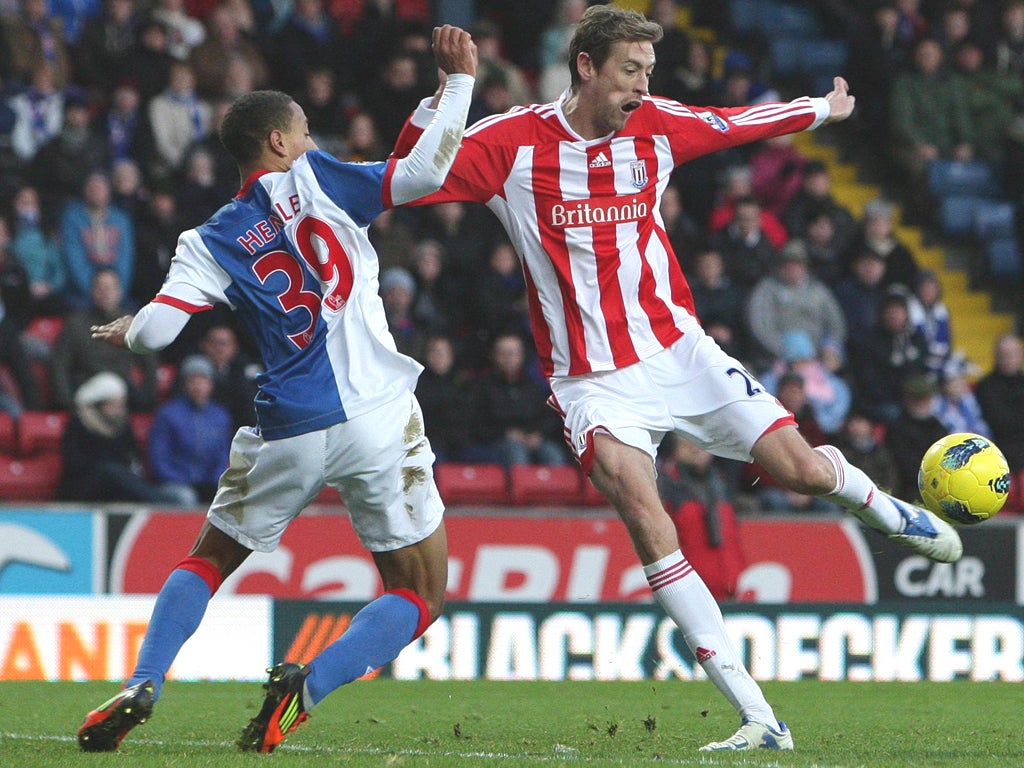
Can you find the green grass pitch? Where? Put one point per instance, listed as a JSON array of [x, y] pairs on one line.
[[513, 724]]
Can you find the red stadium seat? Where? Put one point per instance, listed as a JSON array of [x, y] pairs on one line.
[[41, 431], [166, 375], [1015, 500], [141, 423], [472, 483], [33, 478], [546, 486], [45, 329]]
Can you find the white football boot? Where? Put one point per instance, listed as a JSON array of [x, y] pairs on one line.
[[753, 735], [926, 533]]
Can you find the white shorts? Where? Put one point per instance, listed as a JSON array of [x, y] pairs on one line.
[[380, 462], [692, 388]]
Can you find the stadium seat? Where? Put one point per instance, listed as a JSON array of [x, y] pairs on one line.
[[956, 214], [472, 483], [45, 329], [166, 375], [994, 218], [545, 486], [41, 431], [957, 177], [1002, 256], [33, 478], [141, 424], [785, 56]]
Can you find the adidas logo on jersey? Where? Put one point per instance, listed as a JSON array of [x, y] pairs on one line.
[[600, 161]]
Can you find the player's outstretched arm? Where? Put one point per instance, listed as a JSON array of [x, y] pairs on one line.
[[424, 169], [154, 327], [840, 101], [114, 331]]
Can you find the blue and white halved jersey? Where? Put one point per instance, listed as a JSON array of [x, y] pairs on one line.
[[290, 255]]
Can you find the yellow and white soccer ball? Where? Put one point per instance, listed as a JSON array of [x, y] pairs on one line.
[[964, 478]]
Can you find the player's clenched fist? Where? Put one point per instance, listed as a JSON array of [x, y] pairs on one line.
[[454, 50]]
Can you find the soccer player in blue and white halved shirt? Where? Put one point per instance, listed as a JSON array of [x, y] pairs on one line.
[[335, 406]]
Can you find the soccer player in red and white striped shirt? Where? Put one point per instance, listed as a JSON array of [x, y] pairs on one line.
[[577, 184]]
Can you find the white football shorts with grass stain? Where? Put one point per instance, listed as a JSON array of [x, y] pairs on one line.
[[380, 462]]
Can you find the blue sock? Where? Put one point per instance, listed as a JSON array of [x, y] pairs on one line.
[[376, 636], [179, 609]]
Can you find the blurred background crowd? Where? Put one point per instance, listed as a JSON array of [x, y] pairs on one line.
[[109, 112]]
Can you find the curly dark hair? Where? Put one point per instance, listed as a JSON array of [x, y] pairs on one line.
[[249, 121]]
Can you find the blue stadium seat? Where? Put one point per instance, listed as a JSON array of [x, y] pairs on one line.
[[957, 177], [778, 19], [956, 213], [1003, 256], [824, 57], [771, 19], [785, 56], [994, 219]]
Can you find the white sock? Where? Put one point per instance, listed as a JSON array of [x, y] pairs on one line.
[[687, 601], [859, 494]]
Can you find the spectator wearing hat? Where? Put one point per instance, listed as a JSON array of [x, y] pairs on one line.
[[955, 405], [791, 298], [100, 457], [190, 439], [398, 292], [891, 351], [913, 431], [827, 394], [877, 234]]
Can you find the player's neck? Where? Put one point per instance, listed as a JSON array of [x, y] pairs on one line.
[[580, 118]]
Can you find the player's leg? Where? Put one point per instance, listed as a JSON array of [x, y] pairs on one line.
[[625, 475], [382, 464], [825, 472], [178, 611]]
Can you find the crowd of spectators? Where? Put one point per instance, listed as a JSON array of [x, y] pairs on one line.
[[108, 149]]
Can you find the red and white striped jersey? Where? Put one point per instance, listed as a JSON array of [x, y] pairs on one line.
[[605, 289]]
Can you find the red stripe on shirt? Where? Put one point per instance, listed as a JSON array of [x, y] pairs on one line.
[[539, 325], [608, 260], [184, 306], [553, 241], [660, 315]]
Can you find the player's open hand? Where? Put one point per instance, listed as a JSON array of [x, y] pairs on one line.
[[454, 50], [114, 331], [840, 102]]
